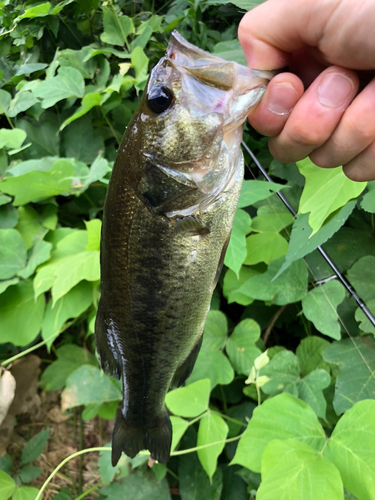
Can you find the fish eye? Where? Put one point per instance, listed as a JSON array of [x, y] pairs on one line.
[[159, 99]]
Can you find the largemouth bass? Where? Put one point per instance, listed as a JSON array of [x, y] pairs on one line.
[[167, 220]]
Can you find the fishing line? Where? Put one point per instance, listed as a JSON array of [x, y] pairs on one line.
[[328, 260], [324, 254]]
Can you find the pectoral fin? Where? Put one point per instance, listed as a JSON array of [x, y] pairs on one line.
[[107, 358], [190, 226]]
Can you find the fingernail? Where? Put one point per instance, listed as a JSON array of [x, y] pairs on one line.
[[282, 99], [335, 90]]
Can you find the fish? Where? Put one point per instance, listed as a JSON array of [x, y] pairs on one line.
[[167, 220]]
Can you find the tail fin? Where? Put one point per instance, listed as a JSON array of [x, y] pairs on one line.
[[131, 439]]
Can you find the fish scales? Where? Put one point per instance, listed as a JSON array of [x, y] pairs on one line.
[[167, 219]]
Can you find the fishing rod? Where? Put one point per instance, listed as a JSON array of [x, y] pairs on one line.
[[324, 254]]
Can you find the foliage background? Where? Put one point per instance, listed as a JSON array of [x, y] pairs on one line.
[[303, 412]]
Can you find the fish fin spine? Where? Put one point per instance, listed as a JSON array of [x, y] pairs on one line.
[[185, 369], [132, 439], [109, 363]]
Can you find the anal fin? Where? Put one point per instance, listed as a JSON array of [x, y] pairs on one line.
[[108, 362], [186, 367]]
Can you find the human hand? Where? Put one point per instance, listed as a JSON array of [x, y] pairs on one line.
[[329, 47]]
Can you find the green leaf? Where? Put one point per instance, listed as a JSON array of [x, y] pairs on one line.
[[368, 201], [71, 305], [12, 138], [194, 483], [230, 50], [4, 199], [40, 10], [36, 185], [12, 253], [351, 449], [320, 307], [364, 323], [29, 225], [325, 191], [264, 247], [241, 347], [28, 68], [34, 448], [271, 223], [310, 390], [212, 365], [18, 308], [21, 102], [41, 252], [93, 234], [29, 473], [291, 470], [356, 381], [142, 39], [116, 28], [43, 136], [8, 216], [7, 485], [281, 417], [5, 284], [361, 275], [5, 99], [88, 102], [80, 142], [253, 191], [288, 288], [86, 385], [140, 485], [68, 83], [107, 472], [309, 354], [189, 401], [215, 331], [139, 62], [212, 428], [179, 426], [283, 371], [236, 251], [77, 59], [302, 242], [25, 493], [232, 286]]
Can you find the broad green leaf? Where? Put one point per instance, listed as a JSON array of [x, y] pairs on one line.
[[310, 390], [264, 247], [18, 308], [68, 83], [71, 305], [116, 28], [36, 185], [212, 428], [25, 167], [5, 99], [86, 385], [291, 470], [281, 417], [12, 253], [80, 142], [236, 251], [285, 289], [107, 472], [72, 270], [4, 199], [41, 252], [230, 50], [12, 138], [271, 223], [88, 102], [212, 365], [362, 276], [309, 354], [246, 4], [368, 201], [29, 473], [215, 331], [241, 347], [21, 102], [351, 449], [194, 483], [69, 244], [25, 493], [7, 485], [40, 10], [253, 191], [29, 225], [28, 68], [43, 136], [232, 285], [364, 323], [8, 216], [302, 242], [140, 485], [93, 234], [283, 371], [7, 283], [325, 191], [139, 62], [320, 307], [77, 59], [179, 426], [35, 447], [189, 401], [356, 381]]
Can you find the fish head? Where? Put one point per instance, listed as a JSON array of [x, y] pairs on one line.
[[192, 113]]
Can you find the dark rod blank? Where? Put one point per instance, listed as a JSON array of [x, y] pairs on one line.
[[324, 254]]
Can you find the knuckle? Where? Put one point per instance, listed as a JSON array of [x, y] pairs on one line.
[[304, 135]]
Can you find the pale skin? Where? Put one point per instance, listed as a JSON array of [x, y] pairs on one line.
[[325, 107]]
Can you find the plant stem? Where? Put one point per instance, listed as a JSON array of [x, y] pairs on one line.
[[259, 396], [224, 400], [172, 474], [87, 492], [238, 422], [31, 349], [110, 126], [198, 418], [190, 450], [80, 463]]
